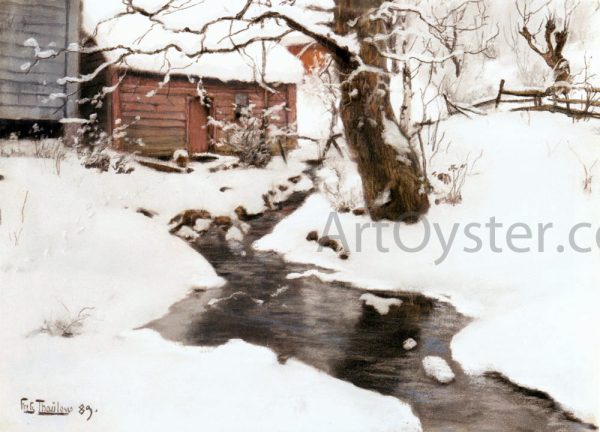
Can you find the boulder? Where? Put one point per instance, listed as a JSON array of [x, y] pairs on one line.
[[312, 236], [243, 214], [188, 218], [409, 344], [438, 369], [234, 234], [223, 222], [330, 243], [181, 158]]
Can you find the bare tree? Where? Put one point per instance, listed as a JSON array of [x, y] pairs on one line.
[[554, 40], [463, 29]]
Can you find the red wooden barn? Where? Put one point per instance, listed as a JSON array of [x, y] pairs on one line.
[[311, 54], [156, 104]]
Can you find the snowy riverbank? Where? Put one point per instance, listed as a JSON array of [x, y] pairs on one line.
[[536, 312], [77, 258]]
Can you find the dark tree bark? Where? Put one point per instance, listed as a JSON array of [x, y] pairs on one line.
[[553, 55], [366, 112]]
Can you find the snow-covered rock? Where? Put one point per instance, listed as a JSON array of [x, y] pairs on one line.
[[380, 304], [181, 158], [244, 227], [438, 369], [234, 234], [409, 344], [202, 225], [187, 233]]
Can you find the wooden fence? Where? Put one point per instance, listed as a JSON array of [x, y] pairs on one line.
[[578, 102]]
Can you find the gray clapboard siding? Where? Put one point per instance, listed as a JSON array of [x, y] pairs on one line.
[[53, 24]]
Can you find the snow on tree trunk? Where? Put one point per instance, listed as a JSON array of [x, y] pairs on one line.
[[387, 163]]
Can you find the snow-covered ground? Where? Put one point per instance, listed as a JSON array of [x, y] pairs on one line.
[[536, 312], [76, 258]]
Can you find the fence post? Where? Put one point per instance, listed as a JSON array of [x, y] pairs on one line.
[[500, 90]]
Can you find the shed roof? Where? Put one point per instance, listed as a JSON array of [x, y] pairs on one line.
[[139, 32]]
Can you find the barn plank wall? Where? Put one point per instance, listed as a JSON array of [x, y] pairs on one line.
[[51, 23], [158, 116]]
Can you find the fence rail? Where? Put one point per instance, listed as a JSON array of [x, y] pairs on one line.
[[577, 101]]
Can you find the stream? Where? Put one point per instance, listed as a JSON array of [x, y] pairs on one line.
[[326, 326]]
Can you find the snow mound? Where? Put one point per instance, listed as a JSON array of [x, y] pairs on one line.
[[234, 387], [380, 304], [438, 369]]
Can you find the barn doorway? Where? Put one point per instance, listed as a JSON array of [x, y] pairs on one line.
[[197, 127]]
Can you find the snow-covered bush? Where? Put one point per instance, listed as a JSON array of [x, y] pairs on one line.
[[124, 164], [43, 148], [66, 325], [456, 177], [98, 160], [588, 172], [453, 180], [253, 136], [91, 136], [341, 185], [15, 234]]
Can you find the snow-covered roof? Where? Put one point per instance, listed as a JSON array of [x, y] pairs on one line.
[[313, 11], [140, 33]]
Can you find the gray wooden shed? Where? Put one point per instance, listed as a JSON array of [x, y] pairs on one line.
[[54, 24]]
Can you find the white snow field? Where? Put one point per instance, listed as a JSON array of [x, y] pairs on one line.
[[536, 312], [76, 258]]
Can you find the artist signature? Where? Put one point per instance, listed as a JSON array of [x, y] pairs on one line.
[[54, 408]]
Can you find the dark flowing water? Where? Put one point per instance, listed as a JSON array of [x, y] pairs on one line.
[[327, 326]]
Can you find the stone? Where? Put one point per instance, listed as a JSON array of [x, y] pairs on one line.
[[409, 344], [188, 218], [243, 214], [330, 243], [312, 236], [438, 369], [148, 213], [223, 222]]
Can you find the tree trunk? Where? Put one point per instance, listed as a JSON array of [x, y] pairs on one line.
[[393, 183]]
